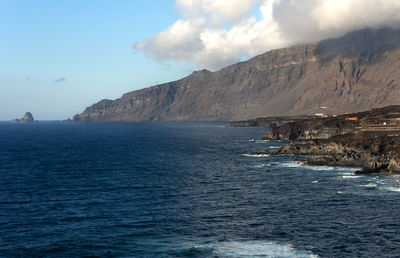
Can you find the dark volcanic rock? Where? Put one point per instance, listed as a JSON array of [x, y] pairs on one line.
[[353, 73], [324, 128], [271, 122], [372, 142]]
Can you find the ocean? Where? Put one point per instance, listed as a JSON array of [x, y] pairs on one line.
[[182, 190]]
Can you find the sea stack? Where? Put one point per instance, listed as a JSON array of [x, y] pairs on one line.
[[28, 118]]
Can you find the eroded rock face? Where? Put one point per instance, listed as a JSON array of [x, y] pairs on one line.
[[352, 73]]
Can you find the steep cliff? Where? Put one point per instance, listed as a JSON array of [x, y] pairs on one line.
[[352, 73]]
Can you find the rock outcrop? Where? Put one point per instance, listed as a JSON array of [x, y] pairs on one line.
[[370, 140], [270, 122], [28, 118], [352, 73]]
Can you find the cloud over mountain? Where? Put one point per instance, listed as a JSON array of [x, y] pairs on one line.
[[215, 33]]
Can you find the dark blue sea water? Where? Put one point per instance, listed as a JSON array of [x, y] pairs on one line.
[[182, 190]]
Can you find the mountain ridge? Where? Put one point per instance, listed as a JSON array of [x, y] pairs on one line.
[[352, 73]]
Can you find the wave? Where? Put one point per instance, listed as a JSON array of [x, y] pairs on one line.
[[261, 165], [290, 164], [251, 248], [370, 185], [350, 175], [258, 249], [256, 155], [258, 141], [392, 189], [296, 164]]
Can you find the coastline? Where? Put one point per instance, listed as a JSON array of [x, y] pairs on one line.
[[339, 141]]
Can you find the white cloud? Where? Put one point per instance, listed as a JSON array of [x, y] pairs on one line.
[[217, 11], [216, 33]]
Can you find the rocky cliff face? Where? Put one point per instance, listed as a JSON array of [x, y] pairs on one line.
[[347, 74]]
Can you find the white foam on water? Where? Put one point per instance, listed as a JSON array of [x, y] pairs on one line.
[[294, 164], [350, 176], [259, 165], [320, 168], [346, 169], [314, 182], [291, 164], [256, 155], [259, 141], [392, 189], [258, 249], [383, 183], [370, 185]]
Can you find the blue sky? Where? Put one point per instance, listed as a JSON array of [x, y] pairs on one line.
[[57, 57]]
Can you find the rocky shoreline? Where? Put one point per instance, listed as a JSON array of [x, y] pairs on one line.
[[370, 140], [268, 121]]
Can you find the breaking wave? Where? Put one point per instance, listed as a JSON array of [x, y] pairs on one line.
[[256, 155], [246, 249], [258, 249], [297, 164]]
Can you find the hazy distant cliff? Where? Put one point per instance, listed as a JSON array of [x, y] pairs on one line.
[[351, 73]]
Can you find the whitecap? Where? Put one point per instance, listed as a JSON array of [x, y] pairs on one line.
[[260, 165], [314, 182], [291, 164], [350, 176], [392, 189], [256, 155], [322, 168], [258, 249], [294, 164], [370, 185]]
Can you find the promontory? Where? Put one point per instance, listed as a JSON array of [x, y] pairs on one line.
[[370, 140]]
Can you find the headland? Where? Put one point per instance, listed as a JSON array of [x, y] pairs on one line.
[[370, 140]]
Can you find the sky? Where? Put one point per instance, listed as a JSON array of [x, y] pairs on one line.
[[58, 57]]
